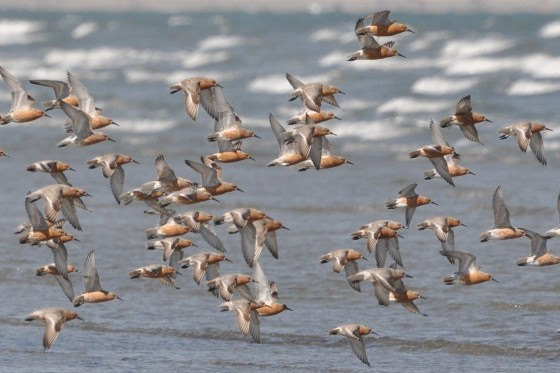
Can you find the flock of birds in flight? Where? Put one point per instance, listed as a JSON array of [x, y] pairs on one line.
[[305, 145]]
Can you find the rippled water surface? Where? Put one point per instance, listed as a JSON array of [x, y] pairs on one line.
[[128, 61]]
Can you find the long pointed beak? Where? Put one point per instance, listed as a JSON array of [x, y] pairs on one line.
[[434, 203], [407, 275], [215, 199], [239, 189], [110, 139], [133, 161], [47, 115], [548, 129], [288, 308], [364, 258], [71, 169], [409, 30], [251, 158], [116, 124], [472, 173], [219, 85], [49, 109], [80, 318], [400, 235], [342, 93], [75, 239], [179, 273], [493, 279], [286, 228], [335, 117], [88, 195], [463, 225], [401, 55], [119, 298], [332, 133], [488, 120], [374, 332], [422, 297], [257, 136], [175, 90], [353, 164], [6, 155]]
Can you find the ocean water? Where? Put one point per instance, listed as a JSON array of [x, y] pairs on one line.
[[510, 66]]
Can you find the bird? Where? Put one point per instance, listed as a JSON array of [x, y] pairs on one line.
[[354, 334], [166, 178], [111, 166], [401, 295], [246, 316], [93, 293], [172, 248], [381, 25], [409, 199], [306, 115], [87, 104], [305, 139], [165, 274], [53, 318], [229, 151], [289, 153], [381, 239], [3, 154], [441, 226], [198, 222], [59, 269], [227, 125], [267, 294], [40, 230], [211, 175], [528, 134], [196, 91], [204, 263], [61, 93], [502, 230], [465, 119], [539, 254], [224, 286], [22, 109], [468, 273], [54, 168], [312, 94], [82, 134], [60, 197], [436, 153], [185, 196], [346, 259], [453, 167], [240, 216], [328, 160], [555, 231], [371, 50], [170, 229]]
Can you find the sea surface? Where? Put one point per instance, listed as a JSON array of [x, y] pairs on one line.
[[509, 64]]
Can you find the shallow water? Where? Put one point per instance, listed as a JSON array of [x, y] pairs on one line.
[[512, 75]]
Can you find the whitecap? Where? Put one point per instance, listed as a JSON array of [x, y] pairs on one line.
[[368, 130], [528, 87], [435, 85], [334, 58], [331, 34], [271, 84], [393, 63], [84, 29], [550, 30], [482, 65], [426, 41], [541, 66], [220, 42], [200, 58], [19, 31], [407, 105], [464, 48], [142, 125]]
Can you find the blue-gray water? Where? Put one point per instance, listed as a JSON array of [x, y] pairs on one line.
[[508, 63]]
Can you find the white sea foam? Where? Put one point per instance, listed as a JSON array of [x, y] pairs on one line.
[[367, 130], [332, 34], [528, 87], [84, 29], [464, 48], [426, 41], [220, 42], [19, 31], [334, 58], [541, 66], [139, 75], [142, 125], [550, 30], [436, 85], [201, 58], [393, 64], [408, 105], [271, 84], [481, 65], [355, 104], [175, 21]]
